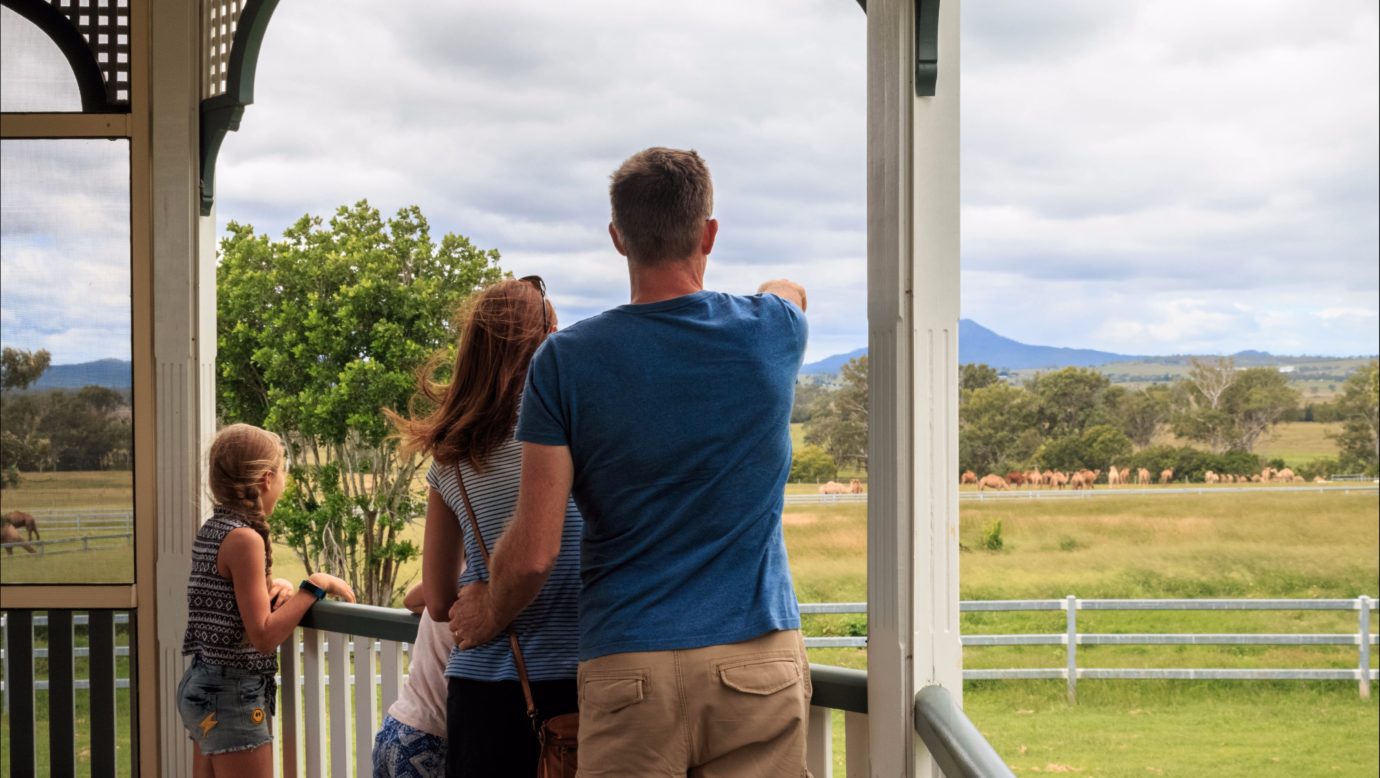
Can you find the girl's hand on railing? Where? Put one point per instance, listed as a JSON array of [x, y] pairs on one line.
[[333, 586], [279, 591]]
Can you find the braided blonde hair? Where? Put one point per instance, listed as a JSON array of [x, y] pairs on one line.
[[241, 455]]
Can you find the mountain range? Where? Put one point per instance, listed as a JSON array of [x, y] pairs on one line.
[[976, 343], [114, 373]]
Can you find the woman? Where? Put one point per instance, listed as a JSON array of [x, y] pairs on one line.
[[469, 435]]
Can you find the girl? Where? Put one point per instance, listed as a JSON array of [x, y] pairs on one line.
[[236, 614], [470, 438], [412, 741]]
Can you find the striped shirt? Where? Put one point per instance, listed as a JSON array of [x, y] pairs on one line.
[[215, 631], [548, 629]]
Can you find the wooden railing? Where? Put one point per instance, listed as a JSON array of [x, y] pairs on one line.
[[362, 649], [77, 672]]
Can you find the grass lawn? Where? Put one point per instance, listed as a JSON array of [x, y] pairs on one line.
[[1247, 545]]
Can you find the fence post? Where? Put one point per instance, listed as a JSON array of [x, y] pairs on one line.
[[1071, 619], [1364, 620]]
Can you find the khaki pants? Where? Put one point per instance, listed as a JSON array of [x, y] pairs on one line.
[[731, 710]]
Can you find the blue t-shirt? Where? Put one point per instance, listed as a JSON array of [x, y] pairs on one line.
[[677, 416]]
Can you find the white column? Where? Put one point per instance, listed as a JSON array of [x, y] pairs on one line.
[[913, 274], [184, 343]]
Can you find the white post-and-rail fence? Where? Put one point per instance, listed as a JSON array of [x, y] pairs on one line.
[[362, 649], [76, 528], [1362, 638], [1101, 490]]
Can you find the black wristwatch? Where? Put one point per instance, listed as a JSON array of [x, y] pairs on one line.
[[313, 589]]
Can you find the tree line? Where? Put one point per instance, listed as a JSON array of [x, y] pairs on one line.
[[58, 429], [1075, 418]]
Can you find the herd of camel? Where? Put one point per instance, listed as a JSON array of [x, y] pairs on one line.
[[1084, 479], [833, 487], [11, 524]]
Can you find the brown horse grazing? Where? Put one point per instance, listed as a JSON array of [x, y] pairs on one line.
[[24, 521], [9, 534]]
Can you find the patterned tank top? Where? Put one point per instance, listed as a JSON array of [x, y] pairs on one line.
[[215, 631]]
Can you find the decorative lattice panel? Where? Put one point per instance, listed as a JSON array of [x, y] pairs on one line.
[[104, 24], [219, 18]]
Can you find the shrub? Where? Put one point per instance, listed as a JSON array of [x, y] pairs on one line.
[[1189, 464], [991, 537], [1068, 543], [812, 464]]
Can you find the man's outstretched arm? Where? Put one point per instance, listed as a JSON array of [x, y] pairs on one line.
[[526, 554], [786, 290]]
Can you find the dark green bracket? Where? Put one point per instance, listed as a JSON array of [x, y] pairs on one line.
[[926, 45], [222, 113], [58, 28]]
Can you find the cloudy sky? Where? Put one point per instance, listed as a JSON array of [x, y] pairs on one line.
[[1140, 177]]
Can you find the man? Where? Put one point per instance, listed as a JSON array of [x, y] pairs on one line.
[[669, 420]]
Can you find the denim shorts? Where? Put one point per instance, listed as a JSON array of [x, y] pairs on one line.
[[226, 708]]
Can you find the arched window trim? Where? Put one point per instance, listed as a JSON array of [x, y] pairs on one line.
[[87, 72]]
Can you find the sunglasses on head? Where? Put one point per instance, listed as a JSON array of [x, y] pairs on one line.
[[540, 286]]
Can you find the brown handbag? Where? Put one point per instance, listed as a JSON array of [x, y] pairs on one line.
[[558, 735]]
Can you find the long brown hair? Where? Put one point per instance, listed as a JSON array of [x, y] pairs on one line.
[[241, 455], [475, 412]]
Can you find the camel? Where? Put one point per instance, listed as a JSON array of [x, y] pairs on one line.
[[1317, 479], [1035, 477], [24, 521], [833, 487], [1142, 476], [1286, 475], [969, 477], [1211, 478], [1166, 475], [992, 481], [1267, 475], [1056, 479], [8, 535], [1083, 479], [1015, 478], [855, 486], [1113, 476], [1126, 475]]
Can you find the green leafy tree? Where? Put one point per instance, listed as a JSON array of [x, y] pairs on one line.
[[1229, 409], [316, 333], [996, 428], [1359, 409], [976, 375], [61, 429], [812, 464], [1097, 448], [841, 427], [20, 367], [1138, 414], [1067, 400], [810, 399]]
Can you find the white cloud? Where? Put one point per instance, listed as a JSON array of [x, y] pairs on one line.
[[1133, 172]]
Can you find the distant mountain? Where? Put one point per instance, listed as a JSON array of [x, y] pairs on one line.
[[832, 364], [976, 343], [114, 373]]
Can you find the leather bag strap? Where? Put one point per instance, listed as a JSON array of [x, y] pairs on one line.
[[512, 636]]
